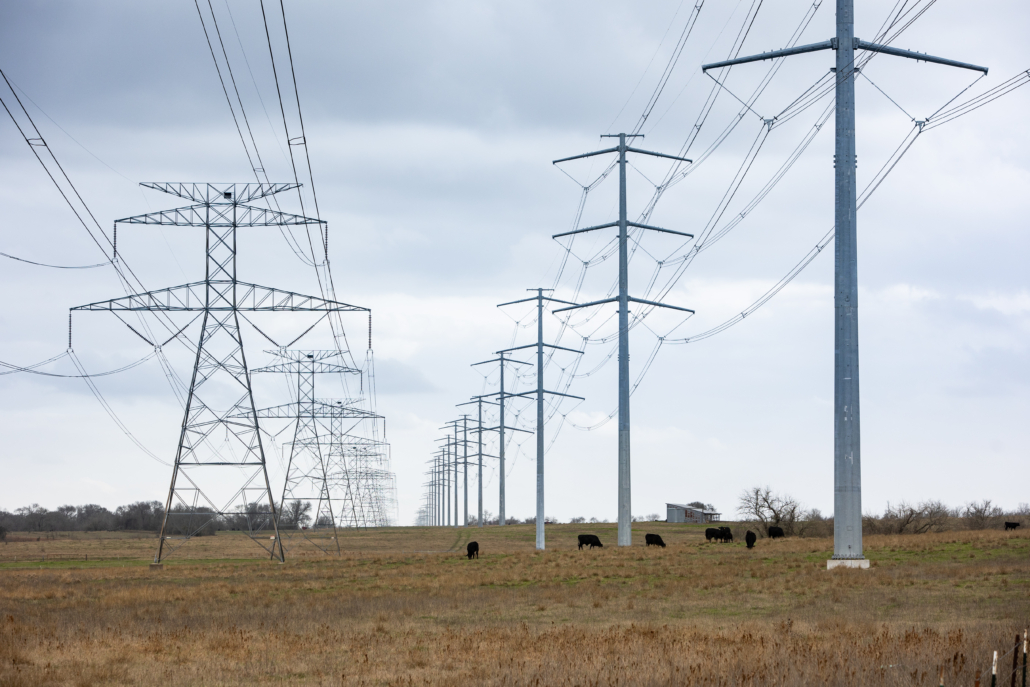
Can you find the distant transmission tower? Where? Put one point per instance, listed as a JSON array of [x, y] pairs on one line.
[[847, 456], [307, 472], [359, 470], [539, 393], [501, 427], [220, 470], [623, 299], [357, 478]]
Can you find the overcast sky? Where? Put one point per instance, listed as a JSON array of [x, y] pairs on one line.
[[431, 129]]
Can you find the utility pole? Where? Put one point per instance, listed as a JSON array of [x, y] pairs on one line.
[[501, 395], [441, 487], [540, 391], [453, 426], [465, 462], [445, 482], [623, 299], [447, 478], [479, 401], [847, 463], [206, 485]]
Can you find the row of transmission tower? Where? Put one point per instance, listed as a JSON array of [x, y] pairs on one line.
[[847, 483], [338, 471]]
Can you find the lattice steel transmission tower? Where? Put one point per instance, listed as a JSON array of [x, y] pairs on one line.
[[847, 454], [307, 471], [357, 475], [228, 482]]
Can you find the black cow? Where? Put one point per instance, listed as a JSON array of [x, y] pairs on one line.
[[775, 532], [713, 533], [750, 538], [473, 550], [590, 540], [654, 540], [1011, 526], [727, 534]]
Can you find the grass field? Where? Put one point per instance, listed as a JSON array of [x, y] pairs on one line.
[[402, 606]]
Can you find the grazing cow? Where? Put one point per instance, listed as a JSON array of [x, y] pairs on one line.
[[713, 533], [1011, 526], [750, 538], [775, 532], [473, 550], [590, 540], [654, 540], [726, 534]]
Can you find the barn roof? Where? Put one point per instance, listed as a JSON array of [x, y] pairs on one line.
[[699, 510]]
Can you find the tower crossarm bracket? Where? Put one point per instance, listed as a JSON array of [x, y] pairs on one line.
[[628, 224], [631, 299], [532, 394], [227, 214], [832, 45], [249, 297], [208, 193], [887, 50], [546, 345]]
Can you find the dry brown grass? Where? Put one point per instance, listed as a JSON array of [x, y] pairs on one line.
[[693, 613]]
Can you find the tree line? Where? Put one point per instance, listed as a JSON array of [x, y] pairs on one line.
[[147, 516], [763, 508]]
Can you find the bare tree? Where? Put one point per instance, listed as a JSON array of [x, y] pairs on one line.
[[978, 516], [934, 517], [904, 518], [761, 505], [295, 514], [578, 519]]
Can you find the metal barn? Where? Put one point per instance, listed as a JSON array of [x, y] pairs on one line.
[[676, 512]]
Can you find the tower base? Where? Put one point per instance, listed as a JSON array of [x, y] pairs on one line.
[[862, 563]]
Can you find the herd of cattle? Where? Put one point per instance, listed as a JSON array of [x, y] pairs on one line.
[[720, 534]]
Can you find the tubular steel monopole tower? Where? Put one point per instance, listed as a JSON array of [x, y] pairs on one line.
[[539, 394], [847, 463], [623, 300], [220, 469]]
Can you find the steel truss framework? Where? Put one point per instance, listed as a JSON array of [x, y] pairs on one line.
[[359, 486], [338, 474], [220, 403]]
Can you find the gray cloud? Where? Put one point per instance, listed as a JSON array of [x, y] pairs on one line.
[[432, 127]]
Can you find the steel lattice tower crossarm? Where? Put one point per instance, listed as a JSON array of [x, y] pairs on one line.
[[307, 471], [227, 481], [847, 460]]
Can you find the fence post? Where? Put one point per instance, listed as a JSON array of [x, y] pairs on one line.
[[1024, 658], [994, 670], [1015, 664]]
